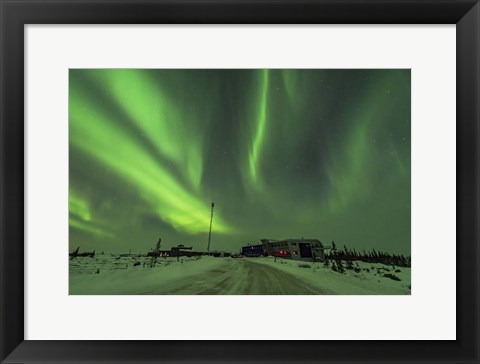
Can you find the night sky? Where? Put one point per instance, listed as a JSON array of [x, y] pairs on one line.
[[283, 154]]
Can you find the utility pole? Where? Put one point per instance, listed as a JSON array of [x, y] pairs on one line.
[[210, 231]]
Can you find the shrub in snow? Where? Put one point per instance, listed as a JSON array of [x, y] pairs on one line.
[[391, 276]]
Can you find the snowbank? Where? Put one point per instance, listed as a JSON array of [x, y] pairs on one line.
[[120, 276], [364, 282]]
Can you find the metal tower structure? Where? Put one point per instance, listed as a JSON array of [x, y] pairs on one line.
[[210, 230]]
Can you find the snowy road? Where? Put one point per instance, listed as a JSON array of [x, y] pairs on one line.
[[111, 275], [240, 276]]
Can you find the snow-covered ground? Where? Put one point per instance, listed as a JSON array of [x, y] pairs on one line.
[[363, 282], [106, 275], [118, 275]]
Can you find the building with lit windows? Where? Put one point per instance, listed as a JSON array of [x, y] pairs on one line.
[[299, 249]]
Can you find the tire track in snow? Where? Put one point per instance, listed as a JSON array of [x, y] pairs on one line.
[[240, 277]]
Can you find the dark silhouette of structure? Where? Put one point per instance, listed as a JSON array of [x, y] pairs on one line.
[[75, 253], [210, 230]]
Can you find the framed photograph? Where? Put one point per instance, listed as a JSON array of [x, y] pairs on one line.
[[239, 181], [274, 158]]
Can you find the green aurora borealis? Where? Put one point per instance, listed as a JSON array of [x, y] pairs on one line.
[[282, 153]]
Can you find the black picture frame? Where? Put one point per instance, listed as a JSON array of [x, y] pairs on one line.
[[16, 13]]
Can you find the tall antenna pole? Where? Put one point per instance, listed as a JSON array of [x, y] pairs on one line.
[[210, 231]]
